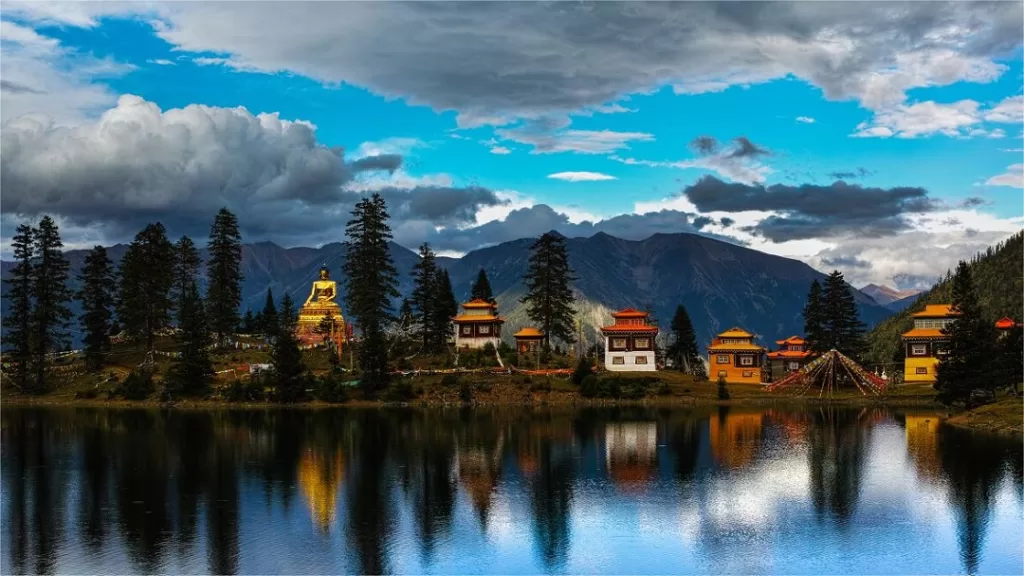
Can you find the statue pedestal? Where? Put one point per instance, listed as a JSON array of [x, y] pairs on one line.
[[310, 316]]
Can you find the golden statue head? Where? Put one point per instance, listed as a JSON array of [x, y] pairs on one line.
[[324, 273]]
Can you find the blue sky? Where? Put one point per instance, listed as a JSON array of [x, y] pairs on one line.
[[475, 123]]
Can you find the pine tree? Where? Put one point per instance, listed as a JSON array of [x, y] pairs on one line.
[[286, 356], [269, 321], [549, 293], [482, 288], [52, 296], [968, 364], [1011, 358], [97, 295], [424, 297], [814, 319], [371, 282], [684, 346], [445, 307], [843, 329], [147, 273], [186, 268], [17, 337], [248, 323], [326, 327], [192, 372], [224, 272]]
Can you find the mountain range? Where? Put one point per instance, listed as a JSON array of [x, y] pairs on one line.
[[721, 284], [891, 298]]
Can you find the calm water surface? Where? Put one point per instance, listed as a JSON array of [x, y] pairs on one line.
[[853, 491]]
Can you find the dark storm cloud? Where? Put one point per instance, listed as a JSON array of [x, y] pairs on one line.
[[385, 162], [726, 221], [15, 88], [973, 202], [701, 221], [812, 211], [842, 262], [747, 149], [704, 145]]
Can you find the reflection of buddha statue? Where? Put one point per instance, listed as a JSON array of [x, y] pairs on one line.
[[324, 289]]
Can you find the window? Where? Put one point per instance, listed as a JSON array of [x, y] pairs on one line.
[[918, 349], [796, 348], [921, 370], [748, 374], [618, 342], [484, 329], [722, 359], [467, 330], [641, 359], [618, 360], [643, 343], [721, 373], [794, 366], [746, 360]]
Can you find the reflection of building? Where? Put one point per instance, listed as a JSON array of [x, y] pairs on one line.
[[478, 325], [922, 444], [479, 475], [791, 356], [629, 342], [734, 356], [926, 343], [735, 437], [320, 316], [319, 479], [630, 452]]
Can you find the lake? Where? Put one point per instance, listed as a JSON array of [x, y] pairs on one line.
[[505, 490]]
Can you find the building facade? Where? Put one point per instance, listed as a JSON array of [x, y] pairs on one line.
[[629, 342], [734, 356], [478, 325], [926, 343], [791, 356]]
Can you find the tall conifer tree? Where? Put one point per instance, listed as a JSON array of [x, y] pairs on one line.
[[268, 319], [224, 273], [52, 296], [968, 363], [371, 281], [549, 288], [814, 319], [684, 348], [186, 268], [482, 288], [98, 296], [424, 297], [192, 372], [446, 306], [147, 273], [17, 338], [286, 356], [843, 328]]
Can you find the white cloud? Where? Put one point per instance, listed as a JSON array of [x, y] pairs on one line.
[[580, 176], [1013, 177], [402, 146], [922, 119], [210, 61], [501, 150], [162, 62], [805, 119], [1009, 111], [548, 139]]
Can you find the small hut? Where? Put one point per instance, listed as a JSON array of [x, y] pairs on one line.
[[528, 343]]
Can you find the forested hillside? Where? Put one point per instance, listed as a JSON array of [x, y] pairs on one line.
[[999, 279]]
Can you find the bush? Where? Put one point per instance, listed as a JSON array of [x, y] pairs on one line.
[[723, 392], [330, 389], [87, 394], [466, 392], [582, 370], [400, 392], [489, 350], [526, 379], [589, 387], [250, 390], [664, 389], [450, 380], [138, 385], [504, 349]]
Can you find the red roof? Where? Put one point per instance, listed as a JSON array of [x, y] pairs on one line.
[[1005, 323], [630, 313], [478, 303], [629, 328], [796, 340], [789, 354], [477, 318]]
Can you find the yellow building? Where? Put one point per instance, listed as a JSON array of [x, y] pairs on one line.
[[734, 356], [926, 343]]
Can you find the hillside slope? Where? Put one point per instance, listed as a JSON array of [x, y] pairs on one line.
[[998, 278]]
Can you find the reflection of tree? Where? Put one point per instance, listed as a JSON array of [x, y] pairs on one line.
[[95, 492], [15, 473], [369, 507], [684, 440], [551, 497], [189, 434], [222, 512], [480, 447], [837, 443], [141, 474], [973, 466]]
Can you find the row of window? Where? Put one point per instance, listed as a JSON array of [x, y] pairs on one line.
[[744, 360], [746, 373], [639, 342], [735, 340], [932, 323], [481, 329], [622, 360]]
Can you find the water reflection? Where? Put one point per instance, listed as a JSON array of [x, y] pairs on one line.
[[505, 490]]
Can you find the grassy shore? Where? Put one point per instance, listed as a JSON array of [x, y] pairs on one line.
[[1003, 417]]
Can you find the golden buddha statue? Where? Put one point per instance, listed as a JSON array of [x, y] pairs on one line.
[[324, 289]]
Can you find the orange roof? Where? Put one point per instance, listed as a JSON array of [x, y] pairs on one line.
[[936, 311], [791, 340], [478, 303], [630, 313], [629, 328], [528, 332], [735, 332], [1005, 323], [477, 318], [789, 354], [925, 333], [719, 347]]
